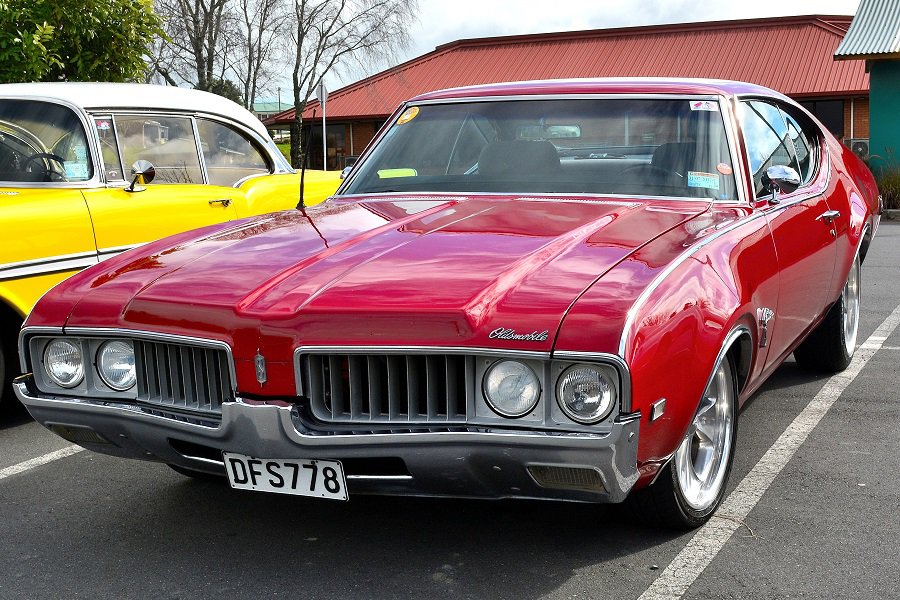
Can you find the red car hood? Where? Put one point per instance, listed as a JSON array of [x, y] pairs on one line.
[[425, 271]]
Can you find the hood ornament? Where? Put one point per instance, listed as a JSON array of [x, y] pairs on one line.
[[260, 362]]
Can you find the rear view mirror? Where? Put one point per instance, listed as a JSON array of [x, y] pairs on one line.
[[142, 173], [549, 132], [780, 178]]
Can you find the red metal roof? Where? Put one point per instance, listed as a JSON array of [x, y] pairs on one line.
[[792, 55]]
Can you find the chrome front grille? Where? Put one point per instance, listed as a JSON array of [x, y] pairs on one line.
[[182, 378], [388, 388]]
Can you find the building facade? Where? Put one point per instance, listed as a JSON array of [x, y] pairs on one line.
[[790, 54]]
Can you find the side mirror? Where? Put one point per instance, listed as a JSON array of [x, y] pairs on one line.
[[142, 173], [345, 172], [780, 178]]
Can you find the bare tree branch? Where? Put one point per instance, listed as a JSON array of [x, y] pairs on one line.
[[330, 33]]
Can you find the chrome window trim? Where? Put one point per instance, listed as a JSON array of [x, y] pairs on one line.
[[86, 124], [538, 197], [720, 100], [567, 96], [199, 145], [277, 163], [259, 145], [112, 332], [823, 155]]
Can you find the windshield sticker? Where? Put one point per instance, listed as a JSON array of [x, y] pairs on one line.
[[76, 170], [392, 173], [408, 115], [698, 179], [103, 125], [709, 105], [724, 169], [80, 152]]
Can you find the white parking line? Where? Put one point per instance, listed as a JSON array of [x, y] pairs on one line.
[[693, 559], [40, 460]]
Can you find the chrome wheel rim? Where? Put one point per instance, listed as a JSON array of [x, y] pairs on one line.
[[850, 308], [702, 460]]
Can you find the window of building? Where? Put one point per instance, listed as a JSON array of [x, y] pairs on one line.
[[829, 112]]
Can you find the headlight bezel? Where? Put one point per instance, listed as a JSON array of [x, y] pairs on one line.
[[492, 402], [33, 345], [105, 377], [605, 372], [46, 363]]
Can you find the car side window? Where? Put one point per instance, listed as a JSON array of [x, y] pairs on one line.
[[167, 142], [805, 145], [229, 155], [109, 148], [767, 139]]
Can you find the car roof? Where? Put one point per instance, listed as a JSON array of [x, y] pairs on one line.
[[95, 96], [611, 85]]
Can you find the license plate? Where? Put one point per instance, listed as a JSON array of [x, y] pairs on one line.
[[316, 478]]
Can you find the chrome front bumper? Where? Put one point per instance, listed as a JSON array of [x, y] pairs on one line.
[[479, 464]]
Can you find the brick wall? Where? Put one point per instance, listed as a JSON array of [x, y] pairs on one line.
[[362, 135], [860, 118]]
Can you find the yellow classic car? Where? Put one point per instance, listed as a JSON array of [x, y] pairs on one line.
[[89, 170]]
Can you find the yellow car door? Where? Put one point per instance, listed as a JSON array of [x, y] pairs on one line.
[[47, 238], [178, 198]]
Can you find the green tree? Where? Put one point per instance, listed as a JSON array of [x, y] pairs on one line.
[[75, 40], [225, 88]]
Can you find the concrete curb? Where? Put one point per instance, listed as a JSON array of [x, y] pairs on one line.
[[891, 214]]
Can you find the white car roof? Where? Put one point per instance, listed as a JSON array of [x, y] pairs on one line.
[[96, 97]]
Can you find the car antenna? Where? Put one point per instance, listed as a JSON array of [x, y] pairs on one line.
[[302, 203]]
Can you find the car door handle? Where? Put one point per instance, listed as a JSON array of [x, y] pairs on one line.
[[829, 215], [226, 202]]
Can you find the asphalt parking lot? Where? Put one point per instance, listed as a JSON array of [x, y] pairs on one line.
[[813, 513]]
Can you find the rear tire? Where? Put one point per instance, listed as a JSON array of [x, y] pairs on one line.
[[831, 345], [692, 485]]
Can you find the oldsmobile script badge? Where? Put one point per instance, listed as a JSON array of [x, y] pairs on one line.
[[503, 333]]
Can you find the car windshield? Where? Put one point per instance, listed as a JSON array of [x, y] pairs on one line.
[[630, 146], [42, 142]]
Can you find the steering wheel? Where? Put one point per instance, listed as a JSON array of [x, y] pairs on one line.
[[49, 156]]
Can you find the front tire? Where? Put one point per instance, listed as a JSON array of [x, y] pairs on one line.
[[692, 485], [831, 345]]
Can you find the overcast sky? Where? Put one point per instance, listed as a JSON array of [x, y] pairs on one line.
[[443, 21]]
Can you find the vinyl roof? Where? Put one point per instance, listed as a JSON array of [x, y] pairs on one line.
[[875, 32], [793, 55]]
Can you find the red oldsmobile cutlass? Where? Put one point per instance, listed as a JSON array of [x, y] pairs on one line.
[[557, 289]]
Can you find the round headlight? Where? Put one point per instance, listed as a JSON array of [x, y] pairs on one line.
[[115, 363], [63, 363], [586, 393], [511, 388]]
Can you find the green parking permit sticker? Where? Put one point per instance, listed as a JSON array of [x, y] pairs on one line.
[[391, 173], [699, 179]]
